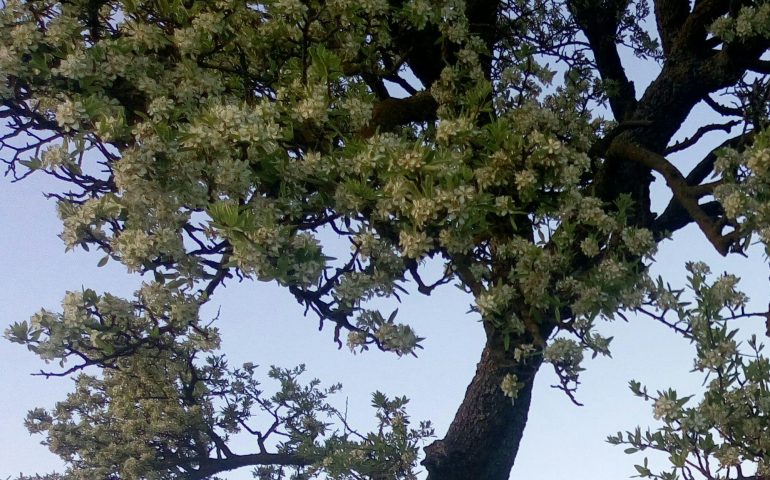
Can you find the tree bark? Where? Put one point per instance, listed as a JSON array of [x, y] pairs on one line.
[[485, 434]]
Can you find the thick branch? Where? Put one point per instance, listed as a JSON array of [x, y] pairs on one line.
[[392, 113], [760, 66], [599, 22], [705, 167], [675, 216], [427, 52], [683, 192], [670, 15], [694, 30], [213, 466]]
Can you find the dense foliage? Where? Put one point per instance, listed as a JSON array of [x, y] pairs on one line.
[[200, 142]]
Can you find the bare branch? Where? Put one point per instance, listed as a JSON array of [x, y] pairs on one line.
[[689, 142], [421, 286], [722, 109]]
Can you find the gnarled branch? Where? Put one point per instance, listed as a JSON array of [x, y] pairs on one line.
[[213, 466], [685, 194]]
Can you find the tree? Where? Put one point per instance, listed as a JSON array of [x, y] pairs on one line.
[[200, 142]]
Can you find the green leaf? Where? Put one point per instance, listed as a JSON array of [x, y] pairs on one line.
[[19, 332], [643, 471], [227, 214], [379, 399], [677, 459], [33, 164], [174, 284]]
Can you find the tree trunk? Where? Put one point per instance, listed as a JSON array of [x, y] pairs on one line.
[[484, 436]]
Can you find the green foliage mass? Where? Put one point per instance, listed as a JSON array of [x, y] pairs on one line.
[[205, 140]]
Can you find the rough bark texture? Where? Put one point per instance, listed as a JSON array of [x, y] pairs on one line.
[[484, 437]]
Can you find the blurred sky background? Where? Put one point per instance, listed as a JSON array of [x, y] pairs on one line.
[[263, 324]]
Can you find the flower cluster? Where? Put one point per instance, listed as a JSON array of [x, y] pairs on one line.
[[751, 21], [735, 400], [745, 188], [510, 386]]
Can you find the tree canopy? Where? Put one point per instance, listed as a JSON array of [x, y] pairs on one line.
[[206, 142]]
